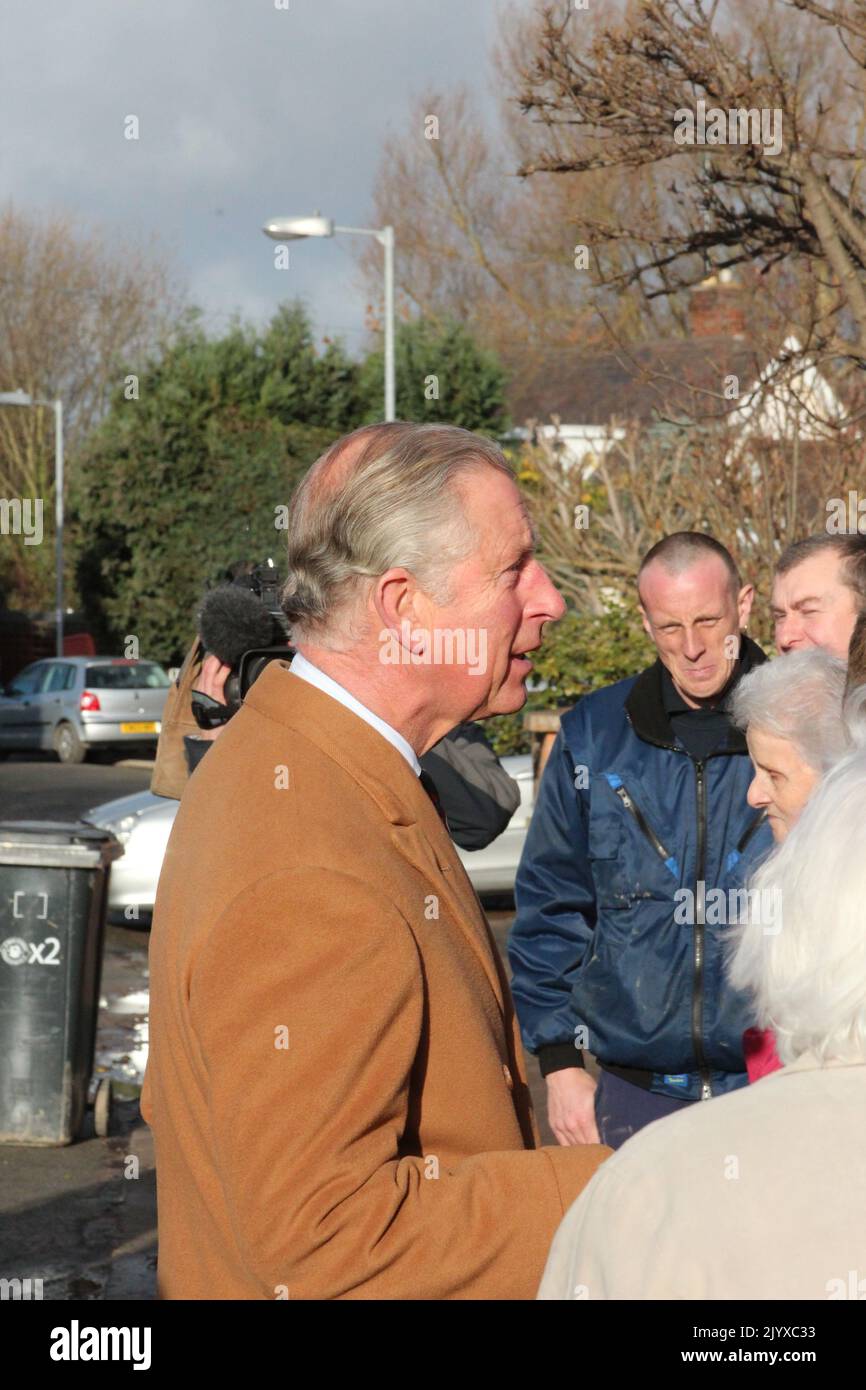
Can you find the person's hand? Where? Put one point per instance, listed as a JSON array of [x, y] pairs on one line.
[[211, 681], [571, 1106]]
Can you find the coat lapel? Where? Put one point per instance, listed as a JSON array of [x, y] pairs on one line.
[[442, 867], [417, 833]]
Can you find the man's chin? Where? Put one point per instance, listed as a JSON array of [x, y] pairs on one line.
[[508, 700], [704, 689], [505, 701]]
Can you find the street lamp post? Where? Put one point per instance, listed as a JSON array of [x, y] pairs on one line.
[[296, 228], [22, 398]]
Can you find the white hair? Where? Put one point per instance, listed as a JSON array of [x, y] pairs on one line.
[[854, 708], [799, 698], [807, 973]]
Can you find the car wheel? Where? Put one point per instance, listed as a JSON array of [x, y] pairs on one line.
[[67, 744]]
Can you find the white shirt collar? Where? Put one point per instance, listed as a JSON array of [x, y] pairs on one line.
[[308, 672]]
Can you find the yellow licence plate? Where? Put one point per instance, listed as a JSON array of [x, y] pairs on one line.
[[138, 728]]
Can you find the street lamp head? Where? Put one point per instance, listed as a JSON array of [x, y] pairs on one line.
[[294, 228], [15, 398]]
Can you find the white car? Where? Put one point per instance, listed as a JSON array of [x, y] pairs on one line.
[[142, 824]]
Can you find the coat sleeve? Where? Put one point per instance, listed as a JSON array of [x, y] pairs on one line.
[[309, 1039], [556, 912]]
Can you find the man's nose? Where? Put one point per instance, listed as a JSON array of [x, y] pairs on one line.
[[693, 644], [546, 598], [788, 632]]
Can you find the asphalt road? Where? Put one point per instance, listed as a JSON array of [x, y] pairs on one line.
[[37, 787], [83, 1218]]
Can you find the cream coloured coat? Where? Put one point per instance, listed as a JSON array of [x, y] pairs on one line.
[[760, 1194]]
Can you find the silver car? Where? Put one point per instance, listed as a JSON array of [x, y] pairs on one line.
[[142, 824], [75, 703]]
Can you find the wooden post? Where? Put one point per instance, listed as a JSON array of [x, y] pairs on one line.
[[542, 725]]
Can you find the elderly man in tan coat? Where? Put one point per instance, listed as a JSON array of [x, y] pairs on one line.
[[759, 1194], [336, 1084]]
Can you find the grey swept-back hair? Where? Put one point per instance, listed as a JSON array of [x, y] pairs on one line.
[[799, 698], [398, 504]]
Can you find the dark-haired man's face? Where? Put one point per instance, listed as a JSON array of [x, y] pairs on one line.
[[812, 606], [694, 619]]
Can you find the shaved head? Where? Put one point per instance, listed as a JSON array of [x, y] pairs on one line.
[[683, 549], [694, 613]]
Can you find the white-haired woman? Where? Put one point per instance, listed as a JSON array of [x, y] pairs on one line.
[[758, 1194], [791, 711]]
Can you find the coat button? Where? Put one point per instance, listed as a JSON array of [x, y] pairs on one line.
[[508, 1079]]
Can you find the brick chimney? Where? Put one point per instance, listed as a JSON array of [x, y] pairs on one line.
[[717, 308]]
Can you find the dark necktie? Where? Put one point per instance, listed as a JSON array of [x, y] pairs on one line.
[[430, 788]]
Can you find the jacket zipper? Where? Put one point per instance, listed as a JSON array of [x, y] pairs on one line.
[[632, 807], [698, 988], [700, 908]]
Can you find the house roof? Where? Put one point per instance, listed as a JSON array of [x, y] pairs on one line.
[[672, 378]]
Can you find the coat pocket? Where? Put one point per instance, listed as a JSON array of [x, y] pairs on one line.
[[629, 859], [605, 853], [632, 808]]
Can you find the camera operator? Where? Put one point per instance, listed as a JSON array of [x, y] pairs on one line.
[[476, 794]]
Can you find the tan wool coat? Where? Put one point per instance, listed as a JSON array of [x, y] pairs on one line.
[[335, 1085]]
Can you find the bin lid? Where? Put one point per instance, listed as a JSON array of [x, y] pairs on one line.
[[57, 844]]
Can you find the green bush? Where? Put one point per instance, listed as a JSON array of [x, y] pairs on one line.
[[580, 653], [188, 477]]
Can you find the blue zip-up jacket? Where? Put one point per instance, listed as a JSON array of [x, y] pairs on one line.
[[607, 950]]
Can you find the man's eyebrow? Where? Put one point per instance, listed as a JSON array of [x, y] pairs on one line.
[[527, 548], [511, 559], [677, 622], [810, 598]]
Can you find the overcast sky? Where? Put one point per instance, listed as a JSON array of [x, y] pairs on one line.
[[245, 112]]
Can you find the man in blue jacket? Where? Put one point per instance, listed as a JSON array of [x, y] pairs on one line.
[[621, 928]]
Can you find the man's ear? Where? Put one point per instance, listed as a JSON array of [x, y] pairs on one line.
[[395, 601], [392, 597], [647, 626], [745, 599]]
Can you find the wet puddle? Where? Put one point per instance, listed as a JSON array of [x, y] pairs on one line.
[[122, 1026]]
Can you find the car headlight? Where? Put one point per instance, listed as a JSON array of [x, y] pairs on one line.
[[122, 829]]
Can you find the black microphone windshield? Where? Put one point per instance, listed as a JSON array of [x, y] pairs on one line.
[[231, 621]]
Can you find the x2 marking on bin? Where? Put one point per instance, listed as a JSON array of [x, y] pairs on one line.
[[15, 951]]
